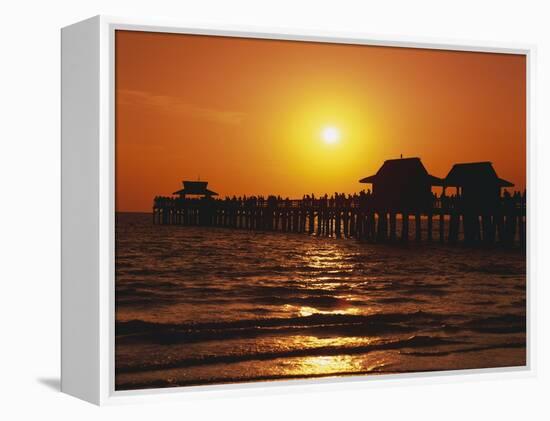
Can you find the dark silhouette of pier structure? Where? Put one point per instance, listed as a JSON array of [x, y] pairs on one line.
[[476, 213]]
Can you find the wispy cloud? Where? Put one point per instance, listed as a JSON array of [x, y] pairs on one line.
[[173, 104]]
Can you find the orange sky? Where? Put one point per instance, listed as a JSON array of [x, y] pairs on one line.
[[247, 114]]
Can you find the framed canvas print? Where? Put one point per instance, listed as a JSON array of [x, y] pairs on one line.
[[245, 209]]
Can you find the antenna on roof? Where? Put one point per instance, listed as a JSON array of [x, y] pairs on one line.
[[401, 156]]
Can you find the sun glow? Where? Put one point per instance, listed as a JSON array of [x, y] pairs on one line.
[[330, 135]]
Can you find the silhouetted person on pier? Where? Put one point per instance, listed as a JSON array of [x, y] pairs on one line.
[[444, 200]]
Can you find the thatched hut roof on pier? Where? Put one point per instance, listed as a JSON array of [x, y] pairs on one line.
[[477, 183], [195, 189], [402, 185]]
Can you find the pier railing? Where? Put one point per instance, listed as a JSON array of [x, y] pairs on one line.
[[443, 219]]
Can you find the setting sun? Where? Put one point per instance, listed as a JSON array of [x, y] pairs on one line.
[[330, 135]]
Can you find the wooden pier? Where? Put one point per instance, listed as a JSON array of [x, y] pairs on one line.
[[447, 220]]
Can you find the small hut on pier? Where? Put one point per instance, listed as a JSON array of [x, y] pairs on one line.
[[195, 189], [477, 184], [402, 185]]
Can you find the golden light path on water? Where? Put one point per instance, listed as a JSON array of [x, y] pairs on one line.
[[305, 311], [331, 260], [329, 364], [339, 364]]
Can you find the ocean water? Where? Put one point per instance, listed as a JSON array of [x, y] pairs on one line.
[[213, 305]]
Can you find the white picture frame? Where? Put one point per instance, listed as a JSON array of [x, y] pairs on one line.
[[88, 197]]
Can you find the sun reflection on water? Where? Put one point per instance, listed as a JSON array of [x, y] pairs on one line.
[[334, 365], [333, 259], [330, 364], [326, 364], [305, 311]]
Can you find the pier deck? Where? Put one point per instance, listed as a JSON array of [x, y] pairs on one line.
[[447, 220]]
